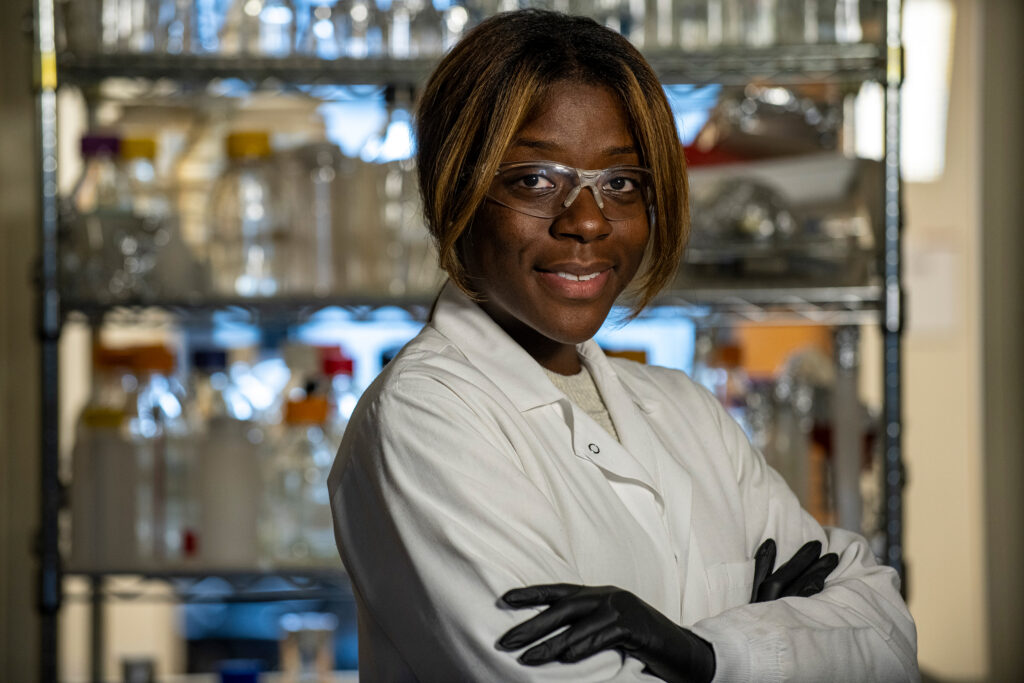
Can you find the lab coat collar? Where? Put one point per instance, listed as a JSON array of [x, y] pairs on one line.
[[491, 350], [524, 382], [521, 378]]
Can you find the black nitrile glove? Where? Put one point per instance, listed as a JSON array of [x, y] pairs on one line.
[[803, 576], [606, 618]]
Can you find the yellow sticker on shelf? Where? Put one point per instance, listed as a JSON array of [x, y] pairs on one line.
[[894, 66], [48, 71]]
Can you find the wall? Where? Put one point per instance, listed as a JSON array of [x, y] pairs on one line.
[[942, 435], [1002, 265], [19, 395]]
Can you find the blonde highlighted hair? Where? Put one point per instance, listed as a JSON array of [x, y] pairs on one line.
[[486, 89]]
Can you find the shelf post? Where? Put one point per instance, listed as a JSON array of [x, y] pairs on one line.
[[48, 325], [892, 326], [847, 432], [97, 628]]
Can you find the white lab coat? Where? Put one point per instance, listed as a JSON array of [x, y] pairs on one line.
[[464, 473]]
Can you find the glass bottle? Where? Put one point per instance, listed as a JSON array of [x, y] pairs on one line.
[[300, 529], [166, 523], [105, 470], [250, 242], [276, 28], [82, 23], [206, 23], [790, 21], [824, 12], [240, 32], [228, 457], [317, 31], [759, 23], [152, 228], [733, 383], [407, 262], [692, 19], [174, 31], [848, 29], [136, 24], [457, 20], [426, 28], [319, 179], [400, 29], [365, 24], [341, 394], [156, 259], [96, 219]]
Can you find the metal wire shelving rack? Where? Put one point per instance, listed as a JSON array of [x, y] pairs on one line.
[[877, 302]]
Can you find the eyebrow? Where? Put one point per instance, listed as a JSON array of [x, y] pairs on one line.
[[546, 146]]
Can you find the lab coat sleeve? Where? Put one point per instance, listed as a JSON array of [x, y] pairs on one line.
[[857, 629], [435, 520]]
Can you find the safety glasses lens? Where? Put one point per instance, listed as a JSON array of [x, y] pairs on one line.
[[546, 191]]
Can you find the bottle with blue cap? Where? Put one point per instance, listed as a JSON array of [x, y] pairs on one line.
[[228, 453]]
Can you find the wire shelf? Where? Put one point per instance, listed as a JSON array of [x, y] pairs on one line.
[[854, 62], [215, 587]]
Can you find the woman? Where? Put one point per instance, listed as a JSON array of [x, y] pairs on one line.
[[502, 463]]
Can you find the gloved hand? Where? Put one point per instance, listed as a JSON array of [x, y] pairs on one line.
[[803, 576], [606, 618]]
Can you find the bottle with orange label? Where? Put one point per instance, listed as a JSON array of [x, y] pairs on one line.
[[167, 528], [298, 528]]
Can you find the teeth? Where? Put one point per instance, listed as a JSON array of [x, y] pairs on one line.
[[578, 278]]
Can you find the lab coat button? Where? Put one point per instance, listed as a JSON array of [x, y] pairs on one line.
[[594, 449]]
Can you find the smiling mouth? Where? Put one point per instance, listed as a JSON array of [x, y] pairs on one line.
[[579, 278], [584, 284]]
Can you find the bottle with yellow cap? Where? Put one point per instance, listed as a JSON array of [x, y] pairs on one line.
[[104, 472], [157, 263], [298, 529], [249, 244], [138, 158]]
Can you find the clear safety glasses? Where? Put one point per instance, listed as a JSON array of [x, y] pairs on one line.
[[545, 189]]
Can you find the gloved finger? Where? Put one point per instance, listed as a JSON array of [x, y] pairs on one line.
[[612, 637], [813, 581], [764, 562], [584, 638], [553, 618], [539, 594], [776, 585]]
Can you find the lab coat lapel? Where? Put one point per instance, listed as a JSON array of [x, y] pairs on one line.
[[488, 347], [517, 375], [631, 457], [674, 492]]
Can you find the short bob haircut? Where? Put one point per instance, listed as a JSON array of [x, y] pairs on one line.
[[488, 87]]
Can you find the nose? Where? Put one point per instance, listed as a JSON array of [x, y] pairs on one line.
[[582, 220]]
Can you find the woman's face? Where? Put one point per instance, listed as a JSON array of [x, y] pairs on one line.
[[519, 262]]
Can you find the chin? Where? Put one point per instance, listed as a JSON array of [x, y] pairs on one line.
[[570, 331]]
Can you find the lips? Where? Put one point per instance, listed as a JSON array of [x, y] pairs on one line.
[[576, 280]]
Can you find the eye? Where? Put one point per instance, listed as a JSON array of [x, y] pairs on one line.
[[622, 182], [533, 181]]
